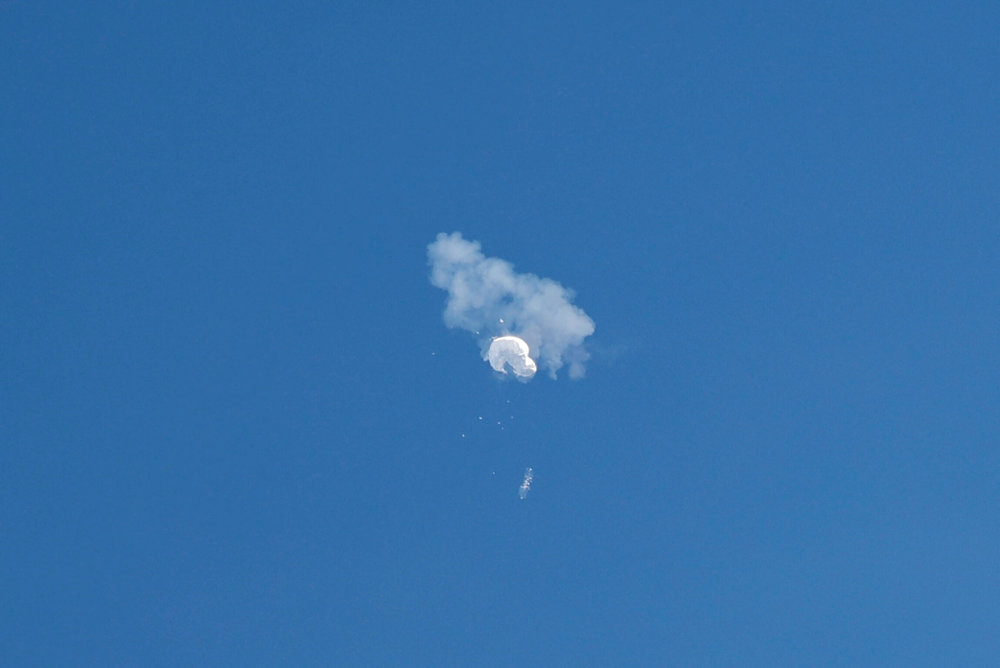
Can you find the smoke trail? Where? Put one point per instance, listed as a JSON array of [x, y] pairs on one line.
[[487, 297]]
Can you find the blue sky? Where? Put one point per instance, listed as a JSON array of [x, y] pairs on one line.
[[235, 430]]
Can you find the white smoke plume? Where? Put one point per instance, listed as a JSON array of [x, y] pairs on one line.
[[487, 297]]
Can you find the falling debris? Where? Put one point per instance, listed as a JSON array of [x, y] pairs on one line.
[[525, 487]]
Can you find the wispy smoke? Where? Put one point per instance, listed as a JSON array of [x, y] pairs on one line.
[[487, 297]]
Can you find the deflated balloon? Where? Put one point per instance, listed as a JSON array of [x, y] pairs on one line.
[[512, 351]]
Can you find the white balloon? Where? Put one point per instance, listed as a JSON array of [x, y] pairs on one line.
[[512, 351]]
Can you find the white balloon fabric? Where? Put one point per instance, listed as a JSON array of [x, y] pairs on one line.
[[512, 351]]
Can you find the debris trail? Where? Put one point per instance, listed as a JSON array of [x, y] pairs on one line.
[[529, 476]]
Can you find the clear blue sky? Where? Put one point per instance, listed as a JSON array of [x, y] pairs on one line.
[[231, 416]]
